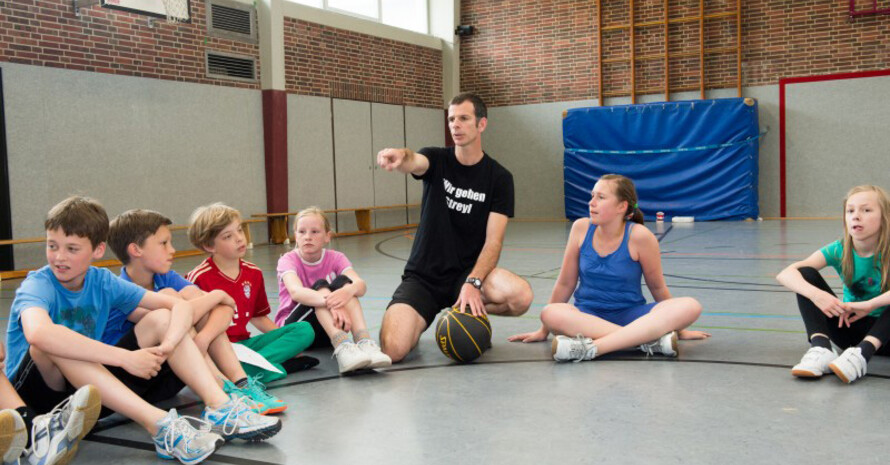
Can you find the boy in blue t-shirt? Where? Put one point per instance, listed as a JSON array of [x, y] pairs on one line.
[[142, 241], [55, 326]]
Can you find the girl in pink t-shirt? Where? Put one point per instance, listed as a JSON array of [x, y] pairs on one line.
[[320, 286]]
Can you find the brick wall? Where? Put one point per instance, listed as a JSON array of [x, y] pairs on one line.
[[544, 51], [47, 33], [326, 61], [528, 51]]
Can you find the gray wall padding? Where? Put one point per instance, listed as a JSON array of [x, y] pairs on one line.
[[310, 160], [836, 137], [527, 140], [388, 130], [352, 160], [131, 143], [424, 127]]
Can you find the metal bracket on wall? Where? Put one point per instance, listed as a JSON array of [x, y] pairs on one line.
[[78, 4]]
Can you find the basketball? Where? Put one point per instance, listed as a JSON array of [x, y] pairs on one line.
[[463, 337]]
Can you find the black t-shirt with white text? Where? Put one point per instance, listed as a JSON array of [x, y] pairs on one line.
[[457, 200]]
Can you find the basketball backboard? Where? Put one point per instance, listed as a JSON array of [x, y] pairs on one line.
[[148, 7]]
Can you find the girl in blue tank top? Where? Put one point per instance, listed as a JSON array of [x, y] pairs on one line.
[[605, 257]]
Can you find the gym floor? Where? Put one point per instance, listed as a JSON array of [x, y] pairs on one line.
[[730, 398]]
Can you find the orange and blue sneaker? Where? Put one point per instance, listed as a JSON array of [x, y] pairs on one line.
[[256, 391]]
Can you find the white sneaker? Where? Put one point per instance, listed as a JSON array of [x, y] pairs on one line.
[[178, 438], [850, 365], [13, 436], [350, 357], [55, 435], [665, 345], [814, 363], [372, 350], [574, 349]]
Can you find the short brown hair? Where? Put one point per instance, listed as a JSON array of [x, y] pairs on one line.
[[79, 216], [207, 222], [479, 108], [133, 227]]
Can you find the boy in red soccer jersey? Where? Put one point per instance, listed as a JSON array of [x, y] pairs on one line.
[[216, 229]]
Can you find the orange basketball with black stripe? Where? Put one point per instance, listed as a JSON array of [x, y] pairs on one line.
[[463, 337]]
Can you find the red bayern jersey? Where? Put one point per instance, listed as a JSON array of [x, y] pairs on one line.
[[248, 290]]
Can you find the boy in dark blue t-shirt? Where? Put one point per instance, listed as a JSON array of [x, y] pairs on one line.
[[142, 241]]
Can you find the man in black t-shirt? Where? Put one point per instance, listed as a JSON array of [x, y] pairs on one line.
[[467, 200]]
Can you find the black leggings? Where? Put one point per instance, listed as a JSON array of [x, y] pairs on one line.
[[307, 313], [817, 322]]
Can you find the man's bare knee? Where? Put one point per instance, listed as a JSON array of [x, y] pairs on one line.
[[522, 299], [506, 288], [400, 331], [396, 350]]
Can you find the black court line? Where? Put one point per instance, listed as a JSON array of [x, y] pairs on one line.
[[756, 259], [719, 281], [739, 289], [683, 238], [381, 252], [662, 235], [243, 461], [607, 358], [130, 444]]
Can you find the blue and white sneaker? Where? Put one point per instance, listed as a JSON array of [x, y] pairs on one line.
[[178, 438], [13, 436], [238, 419], [55, 435]]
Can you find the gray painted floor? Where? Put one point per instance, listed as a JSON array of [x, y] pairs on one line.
[[730, 399]]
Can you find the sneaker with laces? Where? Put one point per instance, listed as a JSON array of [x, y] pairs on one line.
[[372, 350], [237, 419], [13, 436], [179, 438], [232, 389], [350, 357], [665, 345], [814, 363], [55, 435], [849, 365], [573, 349], [266, 403]]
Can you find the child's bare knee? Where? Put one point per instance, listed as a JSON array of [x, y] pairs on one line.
[[154, 325]]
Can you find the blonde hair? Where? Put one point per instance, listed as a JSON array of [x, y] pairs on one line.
[[309, 211], [207, 222], [882, 252], [625, 191]]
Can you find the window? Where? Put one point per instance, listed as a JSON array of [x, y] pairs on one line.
[[367, 8], [404, 14]]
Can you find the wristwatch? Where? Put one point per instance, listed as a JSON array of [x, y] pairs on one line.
[[476, 282]]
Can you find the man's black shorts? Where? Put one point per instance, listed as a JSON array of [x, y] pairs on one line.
[[426, 297]]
